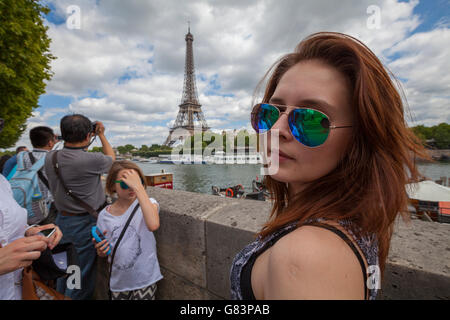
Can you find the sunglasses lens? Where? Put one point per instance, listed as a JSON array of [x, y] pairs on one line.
[[265, 117], [123, 185], [309, 127]]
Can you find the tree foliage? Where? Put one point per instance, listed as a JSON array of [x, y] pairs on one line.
[[144, 150], [24, 64], [229, 141], [96, 149], [436, 136]]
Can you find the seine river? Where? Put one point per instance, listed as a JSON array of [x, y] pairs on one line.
[[200, 177]]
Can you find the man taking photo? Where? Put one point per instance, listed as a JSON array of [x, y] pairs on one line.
[[74, 176]]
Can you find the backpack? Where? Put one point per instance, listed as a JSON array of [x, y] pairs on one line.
[[26, 191]]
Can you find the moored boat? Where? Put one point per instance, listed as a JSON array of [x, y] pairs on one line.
[[430, 200], [259, 192]]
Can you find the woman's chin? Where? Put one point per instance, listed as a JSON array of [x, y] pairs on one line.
[[283, 175]]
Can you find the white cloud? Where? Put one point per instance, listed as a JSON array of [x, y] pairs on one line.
[[425, 65], [235, 42]]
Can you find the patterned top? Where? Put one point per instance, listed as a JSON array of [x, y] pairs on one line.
[[368, 246]]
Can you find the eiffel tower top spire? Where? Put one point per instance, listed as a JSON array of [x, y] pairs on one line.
[[190, 87]]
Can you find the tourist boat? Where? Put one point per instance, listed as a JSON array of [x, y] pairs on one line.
[[430, 200], [145, 160], [221, 157], [181, 159], [165, 159]]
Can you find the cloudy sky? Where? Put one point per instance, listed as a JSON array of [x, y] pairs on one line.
[[124, 65]]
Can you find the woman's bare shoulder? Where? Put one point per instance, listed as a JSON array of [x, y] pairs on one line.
[[313, 263]]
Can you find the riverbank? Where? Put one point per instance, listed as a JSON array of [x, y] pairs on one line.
[[439, 154], [201, 177]]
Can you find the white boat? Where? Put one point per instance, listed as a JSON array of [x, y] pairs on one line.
[[181, 159], [221, 157], [148, 160], [165, 159], [430, 200], [428, 191]]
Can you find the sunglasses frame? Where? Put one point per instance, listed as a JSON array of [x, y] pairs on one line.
[[257, 106], [121, 181]]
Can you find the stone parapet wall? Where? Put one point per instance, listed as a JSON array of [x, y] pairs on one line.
[[200, 235]]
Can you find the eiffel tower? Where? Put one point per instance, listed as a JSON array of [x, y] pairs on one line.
[[190, 108]]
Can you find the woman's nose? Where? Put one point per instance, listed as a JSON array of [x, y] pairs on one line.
[[282, 126]]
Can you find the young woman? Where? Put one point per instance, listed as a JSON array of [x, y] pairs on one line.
[[135, 269], [345, 155]]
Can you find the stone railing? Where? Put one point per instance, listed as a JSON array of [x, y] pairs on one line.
[[200, 235]]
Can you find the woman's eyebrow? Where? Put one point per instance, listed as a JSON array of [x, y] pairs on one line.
[[317, 102], [276, 100], [305, 102]]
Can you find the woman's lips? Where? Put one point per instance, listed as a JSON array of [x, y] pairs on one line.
[[282, 156]]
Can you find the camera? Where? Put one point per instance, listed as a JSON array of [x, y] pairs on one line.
[[94, 127]]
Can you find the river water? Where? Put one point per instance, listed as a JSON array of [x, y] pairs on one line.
[[200, 177]]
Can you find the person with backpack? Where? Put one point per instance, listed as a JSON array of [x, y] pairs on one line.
[[74, 176], [20, 244], [3, 160], [10, 164], [42, 210]]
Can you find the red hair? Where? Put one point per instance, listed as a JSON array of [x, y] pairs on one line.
[[379, 161]]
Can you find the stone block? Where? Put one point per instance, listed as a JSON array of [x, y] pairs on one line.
[[228, 231], [181, 236], [175, 287]]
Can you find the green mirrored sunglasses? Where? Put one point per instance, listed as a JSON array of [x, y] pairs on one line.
[[124, 186], [310, 127]]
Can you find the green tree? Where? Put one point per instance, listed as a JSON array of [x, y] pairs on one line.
[[129, 147], [96, 149], [441, 136], [121, 150], [125, 149], [435, 136], [24, 64]]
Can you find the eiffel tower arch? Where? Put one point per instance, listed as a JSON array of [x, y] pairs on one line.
[[190, 115]]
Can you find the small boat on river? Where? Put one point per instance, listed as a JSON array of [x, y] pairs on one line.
[[259, 191]]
